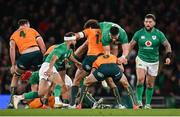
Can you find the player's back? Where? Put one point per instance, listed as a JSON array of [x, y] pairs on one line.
[[105, 59], [25, 38], [94, 41]]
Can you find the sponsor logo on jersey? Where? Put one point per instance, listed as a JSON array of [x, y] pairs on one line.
[[100, 74], [142, 37], [148, 43], [154, 37]]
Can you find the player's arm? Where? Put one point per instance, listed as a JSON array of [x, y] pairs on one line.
[[12, 52], [125, 49], [80, 35], [132, 44], [168, 50], [81, 50], [41, 44], [76, 62], [107, 49]]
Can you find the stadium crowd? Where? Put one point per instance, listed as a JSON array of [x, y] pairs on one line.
[[53, 18]]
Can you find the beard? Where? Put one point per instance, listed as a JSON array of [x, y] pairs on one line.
[[149, 28], [72, 46]]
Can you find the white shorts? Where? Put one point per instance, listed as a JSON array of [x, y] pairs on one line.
[[151, 68], [68, 81], [43, 69]]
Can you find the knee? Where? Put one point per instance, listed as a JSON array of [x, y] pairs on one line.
[[40, 93], [140, 80], [125, 84], [149, 84]]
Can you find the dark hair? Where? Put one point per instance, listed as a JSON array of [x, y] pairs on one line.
[[22, 22], [91, 23], [69, 34], [152, 16], [114, 30]]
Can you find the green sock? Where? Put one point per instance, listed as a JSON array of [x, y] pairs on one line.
[[89, 100], [30, 95], [57, 91], [132, 96], [140, 89], [83, 93], [149, 94], [74, 91], [66, 101], [115, 92]]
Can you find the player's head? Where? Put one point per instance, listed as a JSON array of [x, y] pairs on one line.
[[70, 38], [91, 23], [114, 33], [149, 21], [24, 22]]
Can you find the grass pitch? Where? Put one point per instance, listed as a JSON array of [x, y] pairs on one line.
[[90, 112]]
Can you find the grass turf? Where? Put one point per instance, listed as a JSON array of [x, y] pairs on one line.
[[90, 112]]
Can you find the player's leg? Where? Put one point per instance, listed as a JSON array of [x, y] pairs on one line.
[[80, 74], [87, 82], [14, 81], [141, 70], [114, 91], [150, 80], [130, 91]]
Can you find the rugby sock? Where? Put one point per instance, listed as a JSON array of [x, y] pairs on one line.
[[115, 92], [13, 91], [30, 95], [140, 89], [66, 101], [74, 92], [89, 96], [83, 93], [57, 93], [57, 90], [149, 94], [88, 99], [132, 95]]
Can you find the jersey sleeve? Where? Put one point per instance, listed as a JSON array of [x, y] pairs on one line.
[[123, 38], [95, 65], [86, 32], [12, 37], [36, 33], [105, 39], [162, 37], [59, 51], [135, 37]]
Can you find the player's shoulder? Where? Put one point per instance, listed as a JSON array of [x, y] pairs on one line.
[[158, 31]]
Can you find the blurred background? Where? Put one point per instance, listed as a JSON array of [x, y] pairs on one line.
[[53, 18]]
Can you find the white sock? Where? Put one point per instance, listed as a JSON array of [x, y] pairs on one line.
[[57, 100]]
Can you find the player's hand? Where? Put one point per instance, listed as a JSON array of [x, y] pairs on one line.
[[49, 72], [122, 60], [78, 65], [12, 69], [167, 61]]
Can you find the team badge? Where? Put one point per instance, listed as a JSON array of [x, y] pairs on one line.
[[148, 43], [153, 37], [143, 37]]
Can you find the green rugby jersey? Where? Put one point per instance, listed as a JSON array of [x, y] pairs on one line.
[[105, 28], [148, 44], [62, 52]]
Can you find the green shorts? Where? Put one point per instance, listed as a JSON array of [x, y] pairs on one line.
[[88, 61], [30, 61], [34, 79], [108, 70]]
